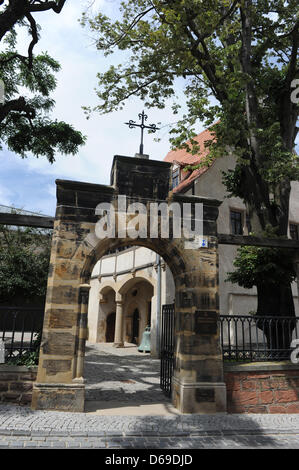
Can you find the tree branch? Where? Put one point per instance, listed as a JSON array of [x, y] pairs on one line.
[[34, 38], [44, 6], [12, 57], [18, 9], [17, 105]]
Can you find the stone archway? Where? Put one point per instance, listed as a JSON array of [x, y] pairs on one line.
[[198, 385]]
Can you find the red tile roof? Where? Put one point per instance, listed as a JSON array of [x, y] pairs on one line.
[[183, 158]]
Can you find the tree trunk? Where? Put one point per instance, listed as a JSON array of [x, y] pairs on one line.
[[276, 301]]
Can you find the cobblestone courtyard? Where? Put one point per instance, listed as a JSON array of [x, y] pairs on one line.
[[128, 386], [123, 378]]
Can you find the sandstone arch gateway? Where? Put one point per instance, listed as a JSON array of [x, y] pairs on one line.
[[198, 385]]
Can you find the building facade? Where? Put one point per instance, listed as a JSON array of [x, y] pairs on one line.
[[139, 282]]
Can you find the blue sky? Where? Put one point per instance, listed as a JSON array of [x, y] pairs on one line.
[[30, 183]]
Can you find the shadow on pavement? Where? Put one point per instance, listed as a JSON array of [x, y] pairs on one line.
[[129, 384]]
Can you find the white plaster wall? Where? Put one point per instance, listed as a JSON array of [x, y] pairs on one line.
[[124, 260], [108, 265], [233, 298], [144, 256]]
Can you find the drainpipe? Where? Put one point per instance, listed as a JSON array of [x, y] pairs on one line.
[[158, 325]]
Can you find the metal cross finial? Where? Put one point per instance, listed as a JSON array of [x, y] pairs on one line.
[[142, 126]]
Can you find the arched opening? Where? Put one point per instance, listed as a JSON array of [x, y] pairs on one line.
[[126, 280]]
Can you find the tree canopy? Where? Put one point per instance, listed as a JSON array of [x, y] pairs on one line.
[[24, 264], [239, 61], [25, 122], [261, 266]]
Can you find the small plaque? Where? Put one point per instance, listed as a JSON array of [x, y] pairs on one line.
[[205, 395], [205, 323], [197, 242]]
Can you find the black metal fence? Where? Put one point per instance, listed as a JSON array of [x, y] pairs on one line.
[[167, 348], [19, 327], [257, 338], [245, 338]]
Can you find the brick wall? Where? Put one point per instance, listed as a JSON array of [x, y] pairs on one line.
[[16, 384], [251, 388], [262, 388]]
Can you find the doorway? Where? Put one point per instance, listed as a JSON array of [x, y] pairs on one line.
[[110, 327]]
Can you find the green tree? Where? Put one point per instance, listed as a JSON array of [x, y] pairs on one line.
[[267, 268], [25, 122], [24, 264], [239, 63]]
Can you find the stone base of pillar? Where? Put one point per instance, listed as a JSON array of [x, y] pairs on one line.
[[200, 397], [118, 345], [58, 397]]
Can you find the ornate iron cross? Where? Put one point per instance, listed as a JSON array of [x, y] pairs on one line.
[[142, 126]]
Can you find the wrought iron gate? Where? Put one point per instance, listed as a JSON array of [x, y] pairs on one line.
[[167, 348]]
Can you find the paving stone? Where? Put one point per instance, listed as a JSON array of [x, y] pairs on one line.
[[50, 429], [16, 444], [31, 444], [19, 432], [3, 445], [58, 445]]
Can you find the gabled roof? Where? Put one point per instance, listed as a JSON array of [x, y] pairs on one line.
[[183, 158]]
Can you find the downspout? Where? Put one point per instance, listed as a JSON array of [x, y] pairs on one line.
[[158, 264]]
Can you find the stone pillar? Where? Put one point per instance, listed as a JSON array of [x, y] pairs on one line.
[[119, 320], [82, 335], [198, 382]]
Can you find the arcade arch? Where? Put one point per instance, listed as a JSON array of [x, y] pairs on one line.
[[121, 282]]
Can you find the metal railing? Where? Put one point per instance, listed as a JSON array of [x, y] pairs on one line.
[[257, 338], [19, 327], [167, 348]]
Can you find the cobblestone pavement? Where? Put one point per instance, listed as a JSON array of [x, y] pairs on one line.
[[120, 376], [20, 427]]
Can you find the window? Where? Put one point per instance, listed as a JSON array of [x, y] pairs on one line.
[[236, 222], [175, 178], [294, 232]]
